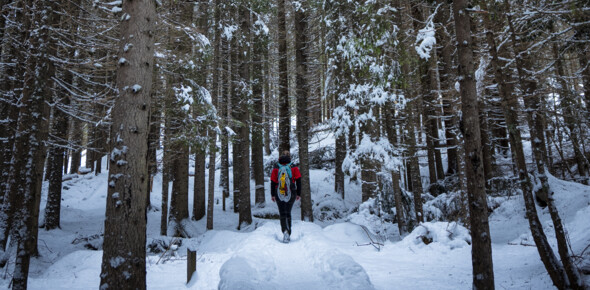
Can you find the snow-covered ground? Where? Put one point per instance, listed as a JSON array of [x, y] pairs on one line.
[[324, 255]]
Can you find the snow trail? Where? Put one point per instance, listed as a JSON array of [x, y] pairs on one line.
[[308, 262]]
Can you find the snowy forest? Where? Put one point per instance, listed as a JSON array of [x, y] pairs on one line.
[[441, 144]]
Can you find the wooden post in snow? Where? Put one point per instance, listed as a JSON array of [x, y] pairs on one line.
[[191, 263]]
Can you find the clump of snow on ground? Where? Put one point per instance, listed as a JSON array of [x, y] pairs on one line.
[[239, 273], [451, 235], [330, 207]]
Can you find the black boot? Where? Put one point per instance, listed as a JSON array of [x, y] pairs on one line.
[[284, 225], [289, 225]]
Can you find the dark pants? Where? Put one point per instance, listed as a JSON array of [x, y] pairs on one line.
[[285, 214]]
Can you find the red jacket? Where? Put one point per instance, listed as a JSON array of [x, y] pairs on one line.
[[274, 180]]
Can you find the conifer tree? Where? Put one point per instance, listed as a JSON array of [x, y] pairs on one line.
[[123, 261]]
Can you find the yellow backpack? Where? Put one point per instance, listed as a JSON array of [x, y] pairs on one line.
[[285, 177]]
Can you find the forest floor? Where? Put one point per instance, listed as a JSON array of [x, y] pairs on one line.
[[326, 255]]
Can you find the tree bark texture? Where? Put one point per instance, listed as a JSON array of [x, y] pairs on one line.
[[481, 252], [414, 166], [76, 144], [224, 138], [257, 120], [123, 261], [55, 168], [283, 96], [33, 126], [302, 86], [234, 115], [179, 41], [215, 88], [165, 190], [242, 116], [447, 90], [391, 130], [59, 130], [179, 195], [10, 85], [199, 189]]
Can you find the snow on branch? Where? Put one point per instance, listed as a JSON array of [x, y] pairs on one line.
[[426, 37], [379, 150], [341, 121], [185, 96]]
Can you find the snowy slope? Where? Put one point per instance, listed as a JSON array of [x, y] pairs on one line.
[[320, 256]]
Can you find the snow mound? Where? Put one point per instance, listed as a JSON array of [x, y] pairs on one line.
[[330, 207], [239, 273], [508, 223], [451, 235], [340, 271], [345, 233]]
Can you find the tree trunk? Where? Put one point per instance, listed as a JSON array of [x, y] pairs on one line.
[[234, 108], [91, 139], [257, 120], [153, 137], [215, 87], [76, 142], [211, 188], [123, 261], [199, 149], [302, 86], [339, 174], [486, 148], [429, 92], [414, 167], [55, 167], [483, 270], [179, 41], [412, 118], [4, 12], [391, 129], [179, 195], [268, 116], [223, 110], [340, 153], [165, 188], [242, 116], [368, 169], [583, 57], [235, 175], [448, 90], [5, 107], [569, 115], [199, 190], [283, 96], [12, 83], [166, 161], [399, 207], [32, 130]]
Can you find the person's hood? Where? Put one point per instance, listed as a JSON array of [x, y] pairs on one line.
[[284, 159]]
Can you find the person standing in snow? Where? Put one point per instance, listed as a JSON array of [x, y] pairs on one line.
[[285, 188]]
